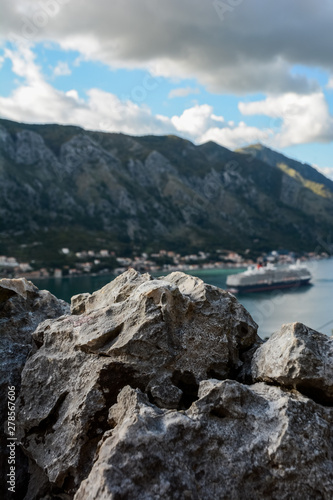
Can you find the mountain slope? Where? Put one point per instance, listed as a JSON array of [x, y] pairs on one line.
[[65, 186], [306, 174]]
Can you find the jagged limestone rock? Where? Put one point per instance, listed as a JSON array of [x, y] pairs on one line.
[[78, 303], [299, 357], [22, 308], [11, 287], [163, 336], [165, 394], [138, 394], [235, 442]]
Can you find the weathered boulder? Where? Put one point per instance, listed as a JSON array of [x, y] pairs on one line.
[[235, 442], [174, 318], [147, 391], [297, 356], [163, 336], [22, 308]]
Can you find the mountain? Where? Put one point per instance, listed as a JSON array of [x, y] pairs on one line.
[[306, 174], [63, 186]]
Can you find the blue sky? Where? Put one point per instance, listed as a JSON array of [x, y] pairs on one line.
[[236, 73]]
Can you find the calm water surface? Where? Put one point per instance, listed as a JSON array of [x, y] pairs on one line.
[[311, 305]]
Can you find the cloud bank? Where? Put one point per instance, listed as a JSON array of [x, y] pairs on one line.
[[251, 48], [305, 118]]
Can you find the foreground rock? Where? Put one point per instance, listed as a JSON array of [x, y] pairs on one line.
[[163, 336], [147, 391], [302, 359], [22, 308], [234, 442]]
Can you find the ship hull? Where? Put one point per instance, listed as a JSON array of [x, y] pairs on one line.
[[265, 287]]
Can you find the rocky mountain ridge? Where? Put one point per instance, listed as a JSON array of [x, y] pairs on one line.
[[66, 184], [161, 389], [275, 159]]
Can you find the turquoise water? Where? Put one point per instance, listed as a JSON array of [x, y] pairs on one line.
[[311, 305]]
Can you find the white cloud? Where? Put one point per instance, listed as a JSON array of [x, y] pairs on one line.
[[36, 101], [253, 49], [236, 136], [73, 94], [200, 124], [196, 120], [23, 64], [101, 111], [183, 92], [330, 83], [305, 118], [62, 69]]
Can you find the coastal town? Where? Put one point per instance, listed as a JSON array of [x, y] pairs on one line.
[[92, 262]]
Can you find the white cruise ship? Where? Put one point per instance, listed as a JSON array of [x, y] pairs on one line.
[[270, 277]]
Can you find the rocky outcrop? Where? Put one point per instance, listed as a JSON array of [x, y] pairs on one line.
[[162, 336], [160, 389], [303, 360], [22, 308], [235, 442]]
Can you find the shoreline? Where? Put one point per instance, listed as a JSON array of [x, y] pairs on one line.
[[237, 267], [153, 273]]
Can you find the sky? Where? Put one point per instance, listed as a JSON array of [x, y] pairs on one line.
[[236, 72]]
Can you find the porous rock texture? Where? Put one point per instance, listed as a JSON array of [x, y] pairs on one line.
[[163, 336], [160, 389], [303, 359], [235, 442], [22, 308]]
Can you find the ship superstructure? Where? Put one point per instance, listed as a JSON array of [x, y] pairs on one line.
[[261, 278]]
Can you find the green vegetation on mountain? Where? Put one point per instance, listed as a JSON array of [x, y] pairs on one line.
[[317, 188], [292, 167]]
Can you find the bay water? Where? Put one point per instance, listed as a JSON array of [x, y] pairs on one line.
[[311, 305]]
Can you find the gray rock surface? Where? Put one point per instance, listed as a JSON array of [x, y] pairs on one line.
[[163, 336], [297, 356], [159, 389], [236, 442], [22, 308]]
